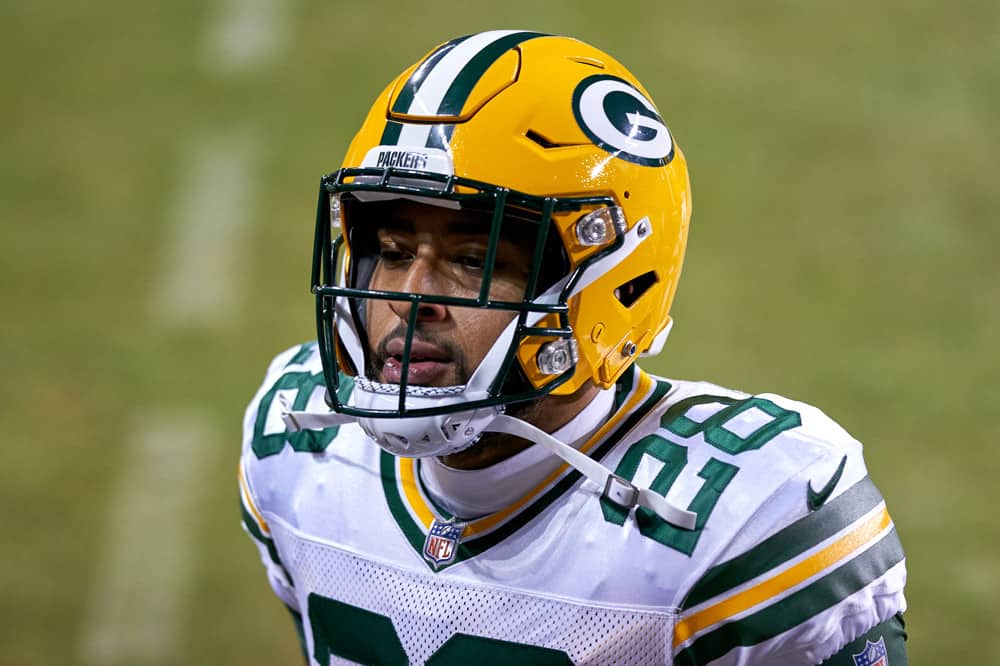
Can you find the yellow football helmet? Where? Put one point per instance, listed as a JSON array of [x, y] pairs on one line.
[[528, 126]]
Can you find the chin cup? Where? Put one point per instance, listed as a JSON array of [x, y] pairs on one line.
[[423, 436]]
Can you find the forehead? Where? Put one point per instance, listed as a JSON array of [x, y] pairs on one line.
[[412, 216], [405, 215]]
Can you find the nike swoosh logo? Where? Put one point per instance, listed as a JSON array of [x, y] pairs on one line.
[[815, 499]]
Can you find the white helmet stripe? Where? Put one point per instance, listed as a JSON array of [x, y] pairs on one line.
[[432, 87], [436, 82]]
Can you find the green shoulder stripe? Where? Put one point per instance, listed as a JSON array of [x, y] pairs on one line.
[[787, 544], [798, 607]]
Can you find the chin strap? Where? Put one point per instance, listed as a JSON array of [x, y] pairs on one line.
[[616, 489], [299, 421]]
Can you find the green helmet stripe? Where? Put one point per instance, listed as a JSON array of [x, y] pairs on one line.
[[440, 136], [390, 135], [460, 88], [441, 84], [406, 94]]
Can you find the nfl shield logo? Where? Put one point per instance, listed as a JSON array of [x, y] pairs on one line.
[[873, 654], [441, 545]]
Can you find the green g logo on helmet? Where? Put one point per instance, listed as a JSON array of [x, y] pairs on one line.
[[621, 120]]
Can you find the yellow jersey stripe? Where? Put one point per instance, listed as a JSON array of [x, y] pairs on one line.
[[411, 490], [248, 502], [851, 542]]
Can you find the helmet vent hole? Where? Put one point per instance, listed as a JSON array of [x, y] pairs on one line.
[[627, 194], [584, 60], [541, 140], [629, 292]]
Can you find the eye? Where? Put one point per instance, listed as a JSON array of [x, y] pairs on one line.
[[472, 262], [392, 256]]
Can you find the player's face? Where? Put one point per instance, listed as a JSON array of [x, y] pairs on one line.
[[425, 249]]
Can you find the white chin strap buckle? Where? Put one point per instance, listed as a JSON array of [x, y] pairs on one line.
[[621, 491]]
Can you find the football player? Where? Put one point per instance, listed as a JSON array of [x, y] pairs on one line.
[[468, 466]]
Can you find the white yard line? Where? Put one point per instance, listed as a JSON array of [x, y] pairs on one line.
[[140, 590], [144, 576], [212, 209], [142, 584], [244, 35]]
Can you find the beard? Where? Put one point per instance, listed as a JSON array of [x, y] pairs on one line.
[[375, 361], [490, 444]]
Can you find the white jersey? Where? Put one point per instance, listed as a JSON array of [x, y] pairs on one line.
[[793, 554]]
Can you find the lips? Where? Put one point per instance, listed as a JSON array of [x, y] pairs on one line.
[[428, 363]]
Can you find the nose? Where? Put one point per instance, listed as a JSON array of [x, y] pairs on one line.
[[420, 279], [426, 312]]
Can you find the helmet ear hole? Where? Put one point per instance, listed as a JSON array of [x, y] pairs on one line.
[[554, 263], [629, 292]]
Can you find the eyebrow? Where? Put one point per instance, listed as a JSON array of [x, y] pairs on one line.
[[460, 227]]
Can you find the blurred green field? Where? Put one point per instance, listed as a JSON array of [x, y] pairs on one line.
[[843, 252]]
